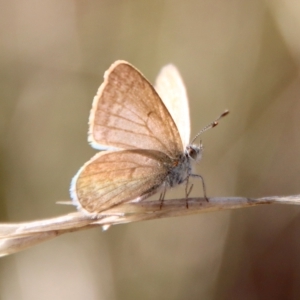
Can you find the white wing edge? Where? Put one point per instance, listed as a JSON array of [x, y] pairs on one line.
[[91, 139], [73, 192]]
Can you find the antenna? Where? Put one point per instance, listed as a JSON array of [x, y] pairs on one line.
[[211, 125]]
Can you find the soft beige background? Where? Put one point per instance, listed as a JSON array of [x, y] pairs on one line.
[[240, 55]]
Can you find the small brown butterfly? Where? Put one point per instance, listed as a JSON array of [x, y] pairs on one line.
[[144, 132]]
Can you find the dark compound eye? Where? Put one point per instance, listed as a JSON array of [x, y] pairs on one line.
[[193, 153]]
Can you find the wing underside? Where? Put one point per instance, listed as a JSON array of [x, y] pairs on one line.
[[169, 85], [112, 178], [128, 113]]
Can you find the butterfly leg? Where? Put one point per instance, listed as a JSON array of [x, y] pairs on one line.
[[151, 192], [203, 184], [187, 191], [162, 197]]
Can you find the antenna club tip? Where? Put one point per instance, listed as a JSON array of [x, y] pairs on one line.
[[211, 125], [225, 113]]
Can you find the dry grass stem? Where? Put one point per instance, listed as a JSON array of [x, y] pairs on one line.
[[15, 237]]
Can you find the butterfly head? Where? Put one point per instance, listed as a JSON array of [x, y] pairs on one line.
[[194, 151]]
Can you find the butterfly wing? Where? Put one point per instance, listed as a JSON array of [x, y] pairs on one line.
[[127, 113], [169, 85], [114, 177]]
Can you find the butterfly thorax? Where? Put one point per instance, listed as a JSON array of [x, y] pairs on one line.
[[179, 171], [182, 165]]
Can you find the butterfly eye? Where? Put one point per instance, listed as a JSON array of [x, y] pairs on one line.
[[193, 152]]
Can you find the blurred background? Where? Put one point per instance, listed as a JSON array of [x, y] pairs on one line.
[[240, 55]]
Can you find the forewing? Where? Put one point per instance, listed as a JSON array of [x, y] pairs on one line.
[[114, 177], [127, 113], [171, 89]]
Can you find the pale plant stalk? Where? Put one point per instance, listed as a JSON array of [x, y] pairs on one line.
[[15, 237]]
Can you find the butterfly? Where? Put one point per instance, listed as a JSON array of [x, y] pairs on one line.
[[143, 132]]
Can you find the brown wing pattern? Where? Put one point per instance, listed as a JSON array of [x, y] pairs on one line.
[[127, 113], [111, 178]]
